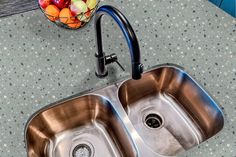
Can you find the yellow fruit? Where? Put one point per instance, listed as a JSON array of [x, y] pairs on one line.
[[91, 4], [52, 12], [65, 16]]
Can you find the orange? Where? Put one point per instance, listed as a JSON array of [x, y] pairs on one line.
[[75, 24], [52, 12], [66, 16]]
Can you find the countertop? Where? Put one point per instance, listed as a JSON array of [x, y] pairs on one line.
[[41, 63], [17, 6]]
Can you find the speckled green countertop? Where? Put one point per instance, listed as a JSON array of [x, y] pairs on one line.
[[41, 63]]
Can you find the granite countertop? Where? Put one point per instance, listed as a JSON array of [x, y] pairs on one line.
[[41, 63], [17, 6]]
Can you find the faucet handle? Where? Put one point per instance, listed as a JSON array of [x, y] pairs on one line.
[[110, 58], [117, 62], [113, 58]]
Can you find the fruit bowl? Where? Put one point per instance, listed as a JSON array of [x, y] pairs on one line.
[[71, 14]]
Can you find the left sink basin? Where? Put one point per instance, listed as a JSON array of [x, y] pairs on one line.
[[85, 126]]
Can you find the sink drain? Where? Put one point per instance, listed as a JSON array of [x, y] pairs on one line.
[[153, 121], [82, 150]]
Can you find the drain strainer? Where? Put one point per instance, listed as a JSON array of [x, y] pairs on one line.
[[82, 150], [153, 120]]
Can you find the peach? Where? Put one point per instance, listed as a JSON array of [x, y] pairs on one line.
[[65, 16], [52, 12], [75, 24]]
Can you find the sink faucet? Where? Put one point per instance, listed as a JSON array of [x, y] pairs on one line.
[[101, 59]]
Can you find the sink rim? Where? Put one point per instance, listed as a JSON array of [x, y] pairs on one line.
[[137, 143]]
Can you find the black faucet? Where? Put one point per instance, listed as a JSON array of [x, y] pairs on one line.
[[101, 59]]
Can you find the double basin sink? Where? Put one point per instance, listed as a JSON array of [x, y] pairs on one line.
[[163, 114]]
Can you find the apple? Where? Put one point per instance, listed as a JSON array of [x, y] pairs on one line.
[[73, 1], [85, 17], [78, 7], [73, 9], [91, 3], [61, 3], [88, 13], [44, 3]]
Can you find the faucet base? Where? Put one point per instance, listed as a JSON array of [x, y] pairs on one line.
[[101, 75]]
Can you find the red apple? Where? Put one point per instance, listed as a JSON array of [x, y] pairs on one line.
[[61, 3], [73, 10], [44, 3]]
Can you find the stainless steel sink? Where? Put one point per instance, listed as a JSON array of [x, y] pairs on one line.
[[169, 110], [82, 127], [162, 114]]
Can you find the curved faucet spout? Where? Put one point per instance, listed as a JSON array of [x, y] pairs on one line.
[[123, 23]]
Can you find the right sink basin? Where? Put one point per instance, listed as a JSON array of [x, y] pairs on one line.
[[170, 111]]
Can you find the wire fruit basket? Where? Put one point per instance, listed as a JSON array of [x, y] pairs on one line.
[[71, 14]]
